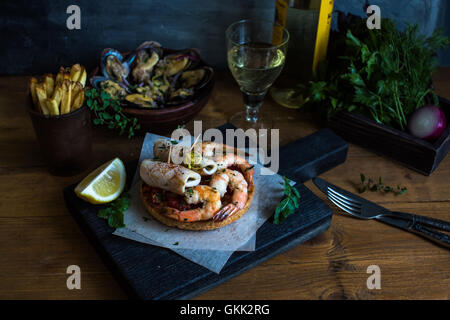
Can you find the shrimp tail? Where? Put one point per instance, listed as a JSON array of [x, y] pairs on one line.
[[226, 212]]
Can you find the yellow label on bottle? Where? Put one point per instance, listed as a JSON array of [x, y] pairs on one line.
[[280, 21], [323, 32]]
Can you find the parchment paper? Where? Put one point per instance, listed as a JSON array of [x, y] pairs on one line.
[[208, 248]]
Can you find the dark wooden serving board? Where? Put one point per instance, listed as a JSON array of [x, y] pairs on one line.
[[149, 272]]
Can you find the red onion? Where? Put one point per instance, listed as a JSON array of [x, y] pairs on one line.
[[427, 123]]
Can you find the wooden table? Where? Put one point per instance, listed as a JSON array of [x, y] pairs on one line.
[[39, 239]]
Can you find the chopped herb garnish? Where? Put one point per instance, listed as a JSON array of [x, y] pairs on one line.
[[249, 168], [176, 243], [371, 185], [173, 142], [145, 219]]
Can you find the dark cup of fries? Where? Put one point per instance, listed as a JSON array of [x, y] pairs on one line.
[[61, 122]]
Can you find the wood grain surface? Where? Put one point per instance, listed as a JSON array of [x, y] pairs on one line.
[[39, 239]]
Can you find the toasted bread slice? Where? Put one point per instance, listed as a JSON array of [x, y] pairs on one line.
[[197, 225]]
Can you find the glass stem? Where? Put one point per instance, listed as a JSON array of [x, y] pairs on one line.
[[253, 101]]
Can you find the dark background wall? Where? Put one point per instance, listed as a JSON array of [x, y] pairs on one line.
[[34, 37]]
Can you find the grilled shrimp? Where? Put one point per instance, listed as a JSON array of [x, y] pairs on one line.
[[213, 149], [231, 159], [206, 195], [236, 182]]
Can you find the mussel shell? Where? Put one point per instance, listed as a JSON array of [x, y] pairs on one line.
[[107, 54], [149, 46], [178, 61], [193, 55], [175, 63], [140, 100], [114, 89], [177, 88], [142, 70], [97, 80], [196, 78], [146, 49], [180, 95]]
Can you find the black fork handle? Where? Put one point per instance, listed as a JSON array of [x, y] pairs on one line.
[[417, 228], [426, 221], [438, 237]]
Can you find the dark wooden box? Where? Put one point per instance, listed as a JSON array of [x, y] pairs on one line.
[[415, 153]]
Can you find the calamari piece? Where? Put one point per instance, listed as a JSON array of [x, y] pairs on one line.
[[185, 155], [168, 176]]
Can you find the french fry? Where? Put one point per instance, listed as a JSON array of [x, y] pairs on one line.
[[41, 94], [75, 72], [60, 94], [78, 101], [57, 95], [32, 85], [49, 84], [76, 88], [63, 96], [52, 107], [66, 101], [59, 76], [83, 76]]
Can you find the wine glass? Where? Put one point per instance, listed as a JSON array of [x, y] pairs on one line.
[[256, 53]]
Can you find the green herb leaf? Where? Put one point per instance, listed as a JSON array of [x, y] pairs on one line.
[[363, 178], [107, 111], [114, 213], [370, 185], [288, 205]]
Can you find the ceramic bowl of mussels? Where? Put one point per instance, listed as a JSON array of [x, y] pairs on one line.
[[161, 87]]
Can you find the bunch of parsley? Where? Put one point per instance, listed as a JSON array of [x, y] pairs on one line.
[[384, 74], [108, 112]]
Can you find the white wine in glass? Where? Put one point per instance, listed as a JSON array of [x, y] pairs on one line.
[[255, 63]]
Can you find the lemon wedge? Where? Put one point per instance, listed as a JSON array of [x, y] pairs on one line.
[[104, 184]]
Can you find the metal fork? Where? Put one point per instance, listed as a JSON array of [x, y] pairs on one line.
[[405, 221]]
